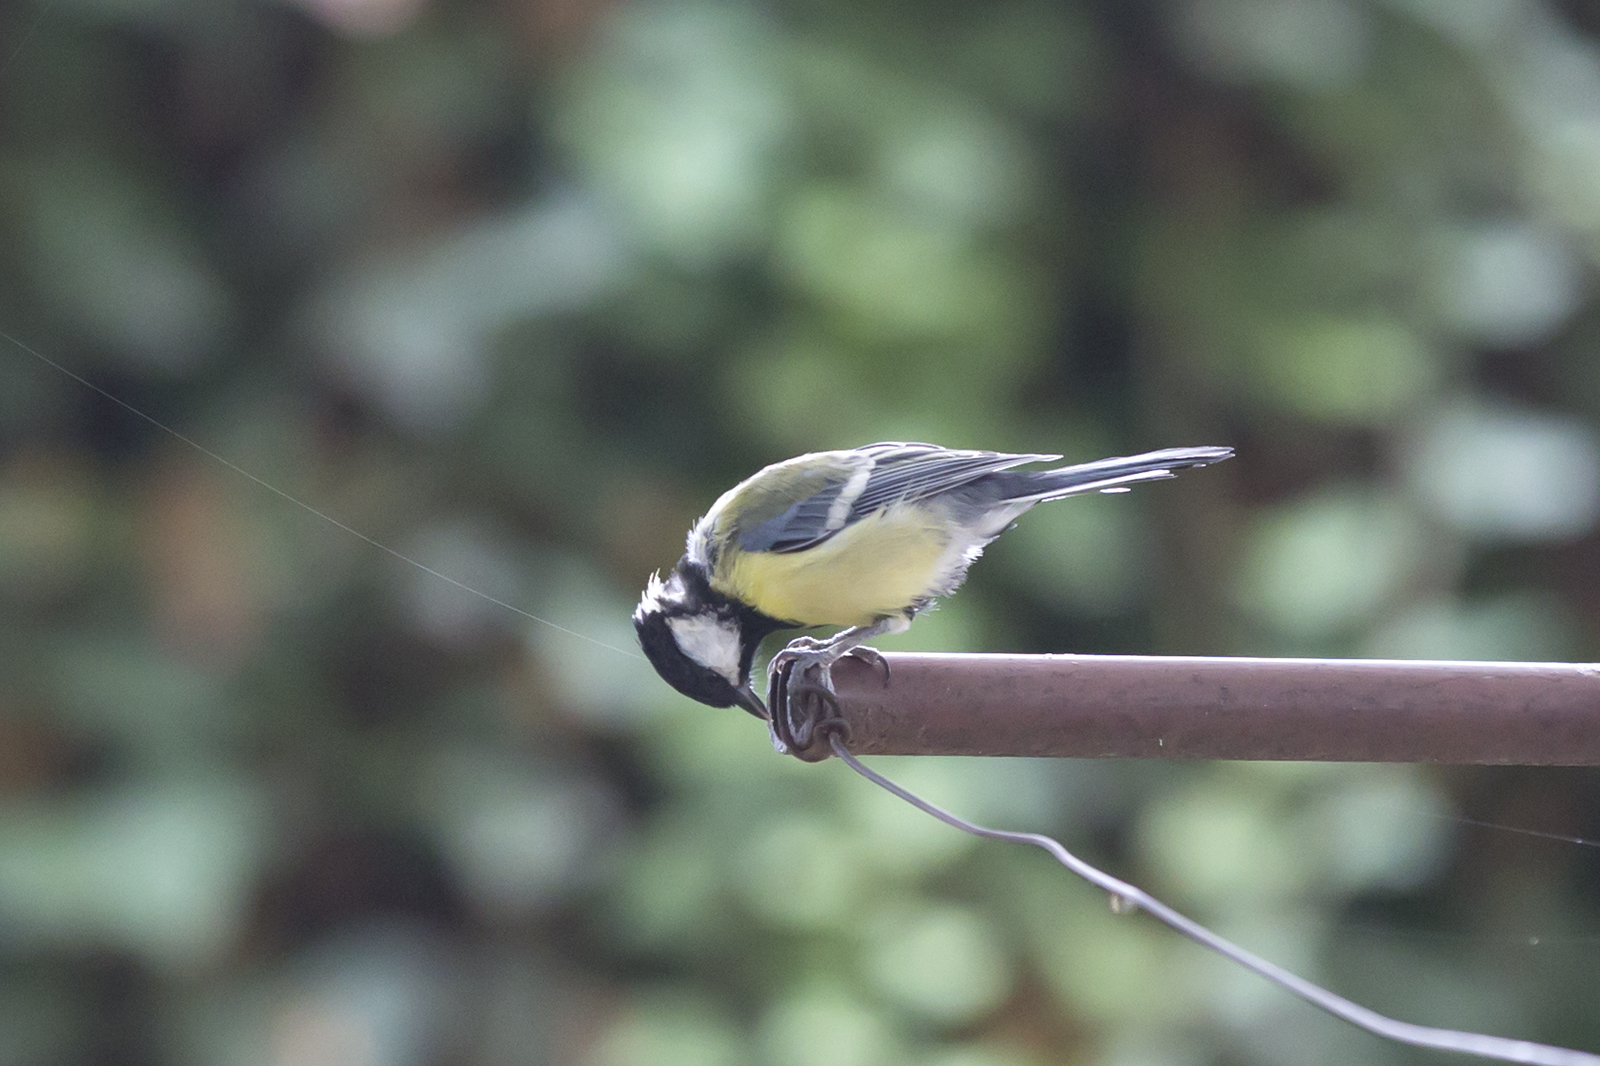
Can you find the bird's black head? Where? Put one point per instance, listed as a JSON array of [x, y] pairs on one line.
[[700, 643]]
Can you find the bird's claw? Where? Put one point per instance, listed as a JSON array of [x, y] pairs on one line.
[[811, 701], [805, 653], [872, 657], [802, 694], [804, 707], [804, 704], [802, 658]]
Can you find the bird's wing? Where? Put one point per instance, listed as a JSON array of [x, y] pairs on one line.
[[762, 510], [852, 485], [917, 471]]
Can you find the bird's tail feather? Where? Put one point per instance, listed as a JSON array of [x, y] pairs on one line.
[[1110, 473]]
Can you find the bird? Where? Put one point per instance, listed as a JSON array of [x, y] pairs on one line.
[[863, 538]]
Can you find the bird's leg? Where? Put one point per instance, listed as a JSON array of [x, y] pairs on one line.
[[807, 652]]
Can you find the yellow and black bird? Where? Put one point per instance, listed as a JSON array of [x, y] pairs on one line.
[[863, 538]]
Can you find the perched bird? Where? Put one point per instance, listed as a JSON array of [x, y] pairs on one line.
[[862, 538]]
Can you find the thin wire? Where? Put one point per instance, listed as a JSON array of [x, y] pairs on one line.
[[1125, 895], [328, 518], [27, 36], [1540, 833]]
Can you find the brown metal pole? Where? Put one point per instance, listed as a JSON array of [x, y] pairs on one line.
[[1130, 706]]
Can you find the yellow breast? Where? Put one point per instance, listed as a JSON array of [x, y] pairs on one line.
[[872, 569]]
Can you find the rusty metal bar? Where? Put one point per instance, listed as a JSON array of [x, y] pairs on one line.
[[1133, 706]]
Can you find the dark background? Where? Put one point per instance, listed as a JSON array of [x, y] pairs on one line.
[[516, 288]]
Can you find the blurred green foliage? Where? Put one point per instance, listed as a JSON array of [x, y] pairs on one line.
[[516, 287]]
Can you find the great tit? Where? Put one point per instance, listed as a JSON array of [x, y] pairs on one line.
[[862, 538]]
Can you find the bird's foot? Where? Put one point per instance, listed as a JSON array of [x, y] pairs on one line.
[[800, 692], [804, 654], [804, 709]]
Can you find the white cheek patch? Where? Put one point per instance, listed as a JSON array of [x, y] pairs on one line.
[[709, 641]]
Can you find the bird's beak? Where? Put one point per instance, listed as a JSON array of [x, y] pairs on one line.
[[746, 698]]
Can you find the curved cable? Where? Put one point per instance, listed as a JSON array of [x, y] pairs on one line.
[[1126, 896]]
